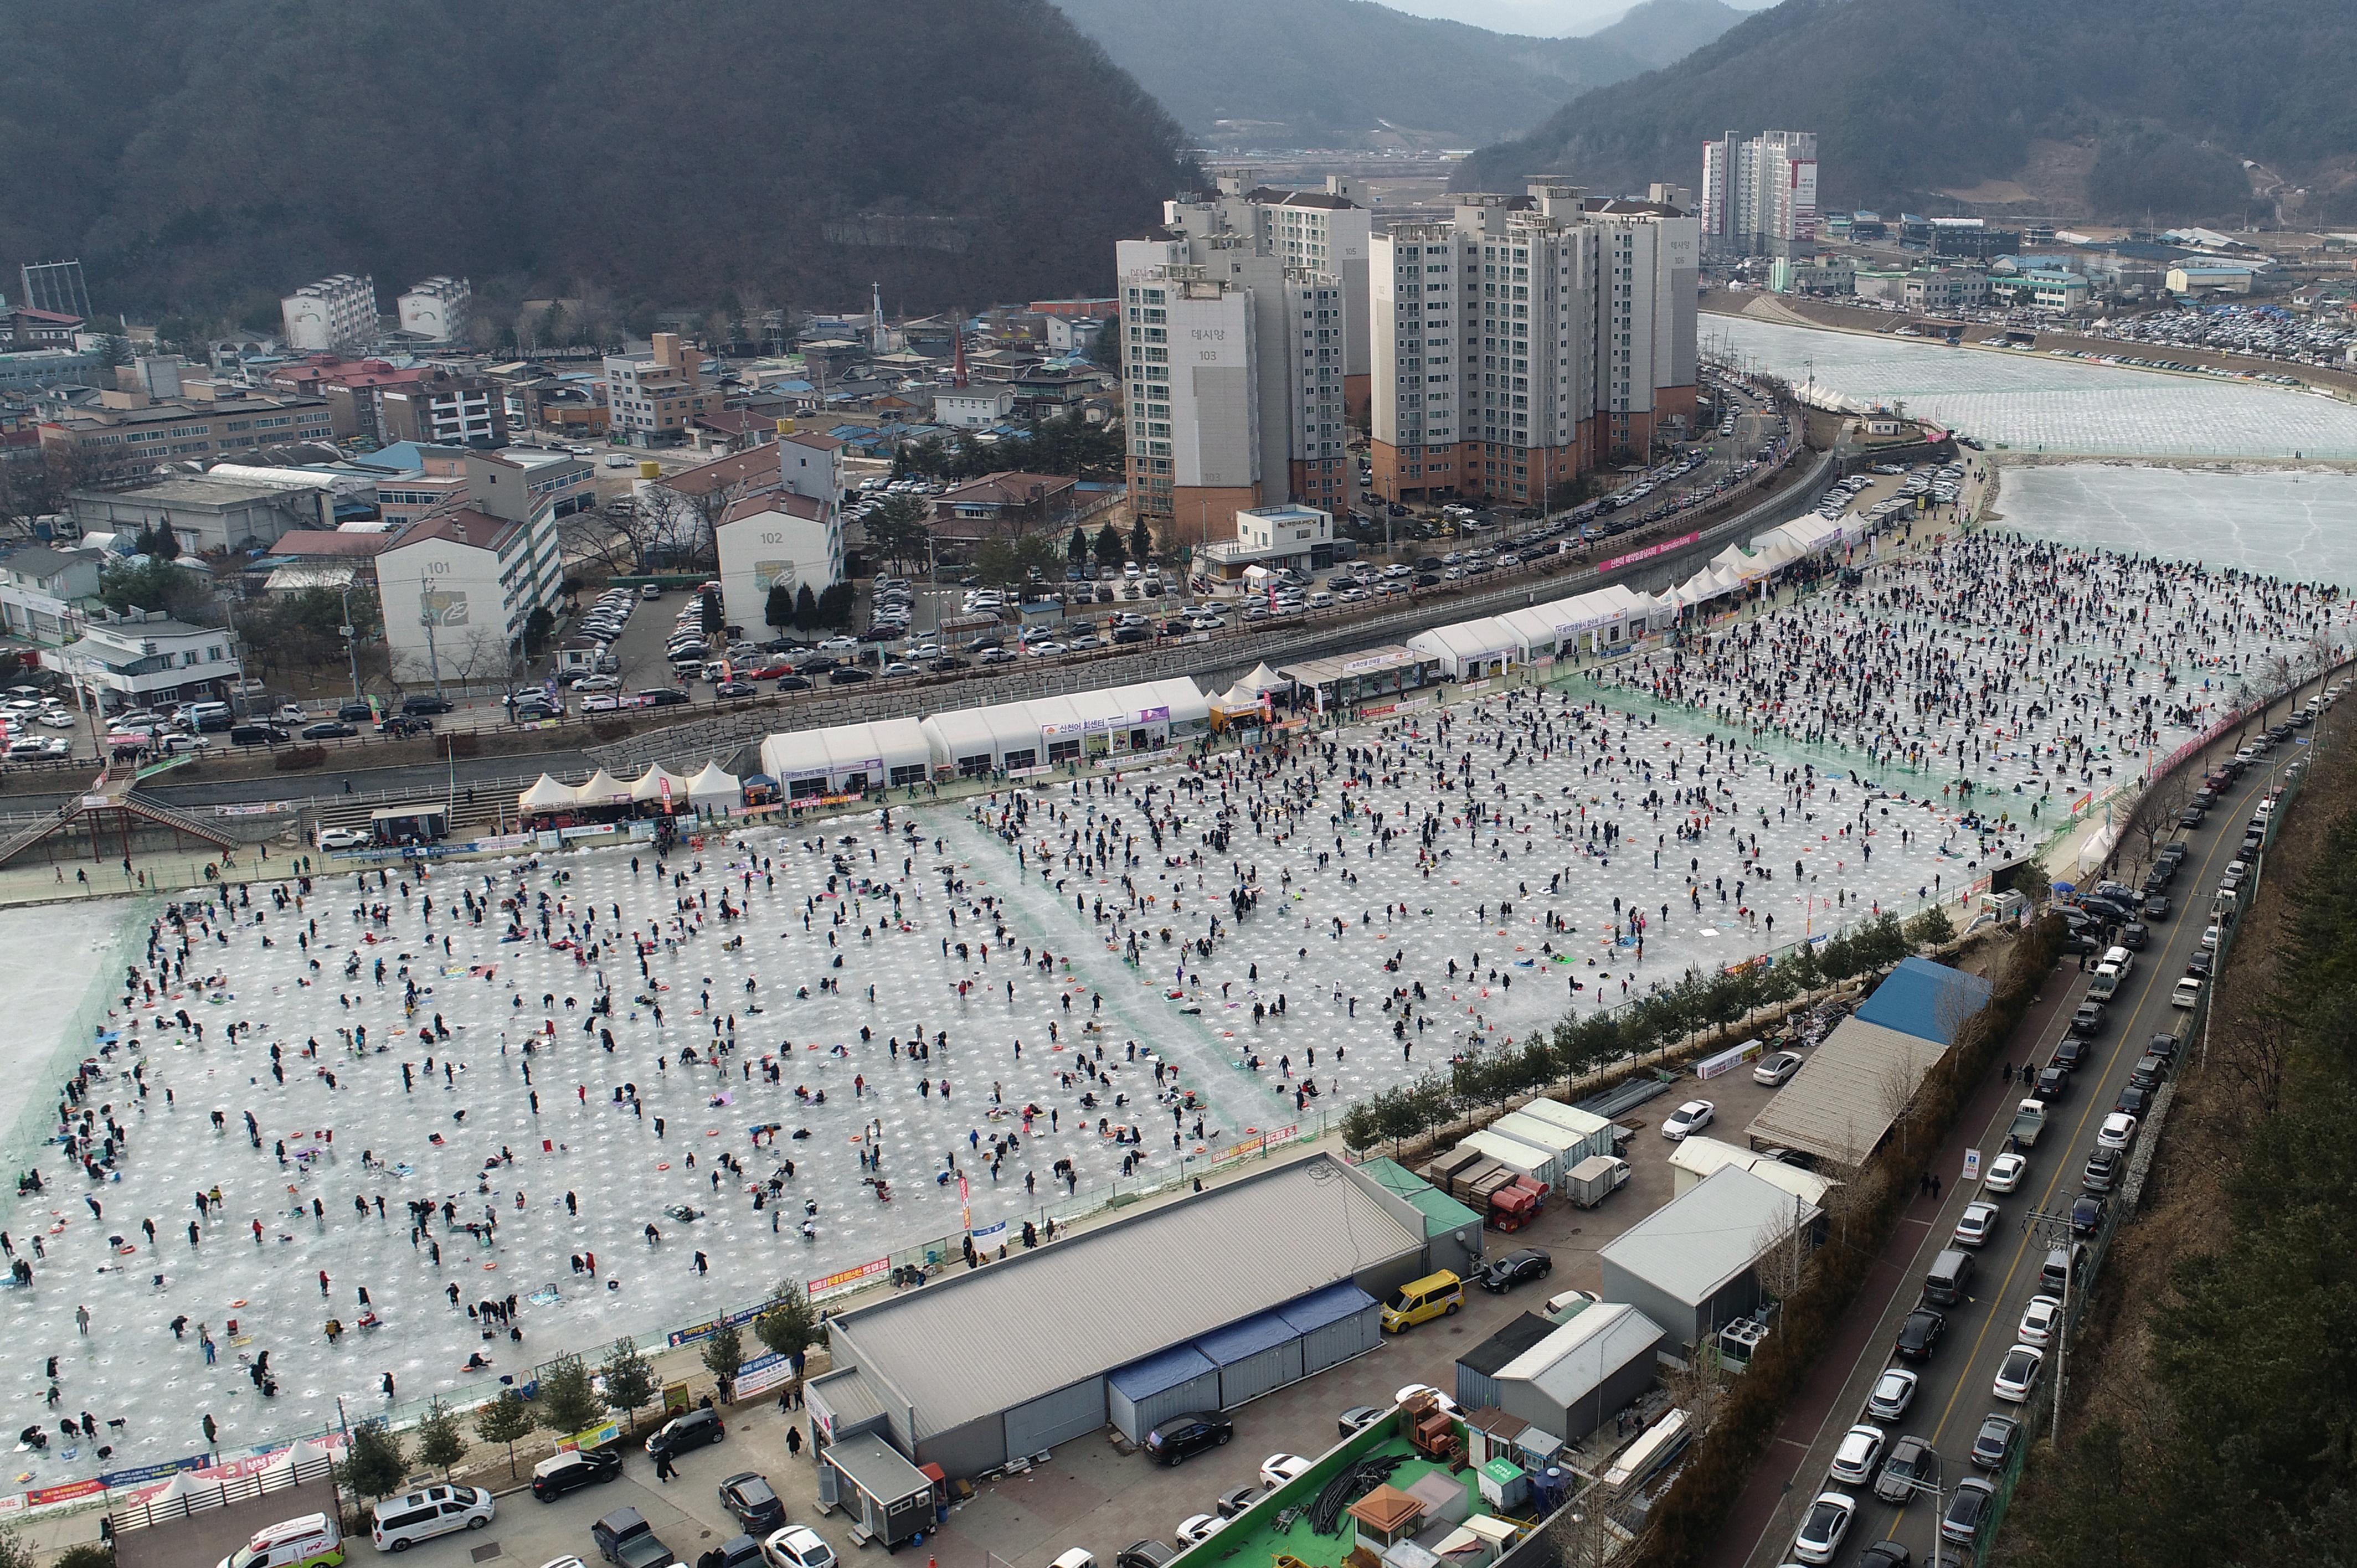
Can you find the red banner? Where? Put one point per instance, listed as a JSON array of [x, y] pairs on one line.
[[1647, 554]]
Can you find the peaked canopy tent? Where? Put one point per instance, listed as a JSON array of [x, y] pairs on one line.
[[715, 789], [602, 789], [1263, 679], [546, 795], [650, 788]]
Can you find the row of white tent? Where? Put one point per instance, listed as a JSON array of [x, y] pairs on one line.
[[714, 787], [1605, 618], [1005, 737], [1599, 620]]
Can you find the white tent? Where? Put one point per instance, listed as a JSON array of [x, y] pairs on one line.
[[1468, 650], [980, 740], [546, 795], [603, 790], [861, 755], [1539, 630], [649, 787], [714, 787], [1262, 679]]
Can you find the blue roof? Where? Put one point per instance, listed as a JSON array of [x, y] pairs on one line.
[[1332, 1305], [406, 456], [1927, 1000], [1159, 1374], [1241, 1341]]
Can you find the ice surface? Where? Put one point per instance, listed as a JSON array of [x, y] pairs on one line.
[[2041, 404], [2300, 524], [1458, 856]]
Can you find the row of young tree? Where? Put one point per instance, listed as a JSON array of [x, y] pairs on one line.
[[1108, 545], [569, 1398], [798, 607], [1581, 1045]]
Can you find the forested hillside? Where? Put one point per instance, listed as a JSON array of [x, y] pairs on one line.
[[2157, 102], [210, 153]]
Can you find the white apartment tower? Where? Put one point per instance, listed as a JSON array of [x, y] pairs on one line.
[[437, 309], [1759, 194], [1235, 357], [1526, 341], [331, 316]]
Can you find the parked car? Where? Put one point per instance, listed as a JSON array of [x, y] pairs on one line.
[[1976, 1224], [1519, 1267], [1919, 1335], [1892, 1393], [1690, 1118], [2040, 1321], [751, 1501], [1821, 1529], [1910, 1460], [1993, 1445], [1969, 1507], [415, 706], [684, 1433], [2006, 1171], [572, 1470], [797, 1546], [1855, 1455], [1279, 1468], [2018, 1374], [1774, 1069], [1179, 1437], [345, 838]]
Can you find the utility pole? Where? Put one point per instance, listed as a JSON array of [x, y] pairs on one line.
[[351, 640], [2049, 1228]]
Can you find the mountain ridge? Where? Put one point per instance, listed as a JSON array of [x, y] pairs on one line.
[[216, 153], [1915, 98]]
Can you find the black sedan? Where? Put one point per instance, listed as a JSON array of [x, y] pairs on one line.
[[1503, 1275], [2158, 906], [552, 1478], [737, 689], [332, 729], [749, 1497], [849, 675], [1919, 1335], [793, 683]]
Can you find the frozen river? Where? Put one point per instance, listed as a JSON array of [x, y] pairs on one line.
[[2284, 523], [484, 1083], [2040, 404]]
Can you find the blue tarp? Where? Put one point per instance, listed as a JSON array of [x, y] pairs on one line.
[[1332, 1305], [1159, 1374], [1927, 1000], [1243, 1341]]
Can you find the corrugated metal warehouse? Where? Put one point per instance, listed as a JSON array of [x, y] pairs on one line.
[[1478, 1368], [1576, 1379], [1273, 1275], [1688, 1264]]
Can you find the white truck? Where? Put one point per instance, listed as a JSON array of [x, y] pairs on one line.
[[1596, 1178]]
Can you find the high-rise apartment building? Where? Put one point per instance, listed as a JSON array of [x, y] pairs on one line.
[[1236, 341], [437, 309], [1528, 340], [333, 315], [1759, 194]]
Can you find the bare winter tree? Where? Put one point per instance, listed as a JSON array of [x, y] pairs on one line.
[[1784, 1254]]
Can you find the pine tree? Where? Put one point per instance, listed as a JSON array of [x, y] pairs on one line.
[[506, 1420], [567, 1403], [1108, 545], [788, 1328], [374, 1464], [724, 1353], [629, 1380], [441, 1442], [1141, 540], [805, 608], [778, 611]]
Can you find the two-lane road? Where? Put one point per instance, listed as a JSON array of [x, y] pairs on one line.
[[1955, 1389]]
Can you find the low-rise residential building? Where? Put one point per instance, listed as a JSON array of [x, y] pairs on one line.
[[973, 407], [1275, 537], [128, 437], [43, 592], [651, 398], [48, 369], [337, 314], [135, 662], [444, 408], [1005, 505], [21, 326], [458, 591], [778, 538], [1813, 275], [2041, 288], [1943, 290]]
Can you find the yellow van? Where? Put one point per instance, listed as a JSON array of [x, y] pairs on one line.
[[1419, 1301]]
